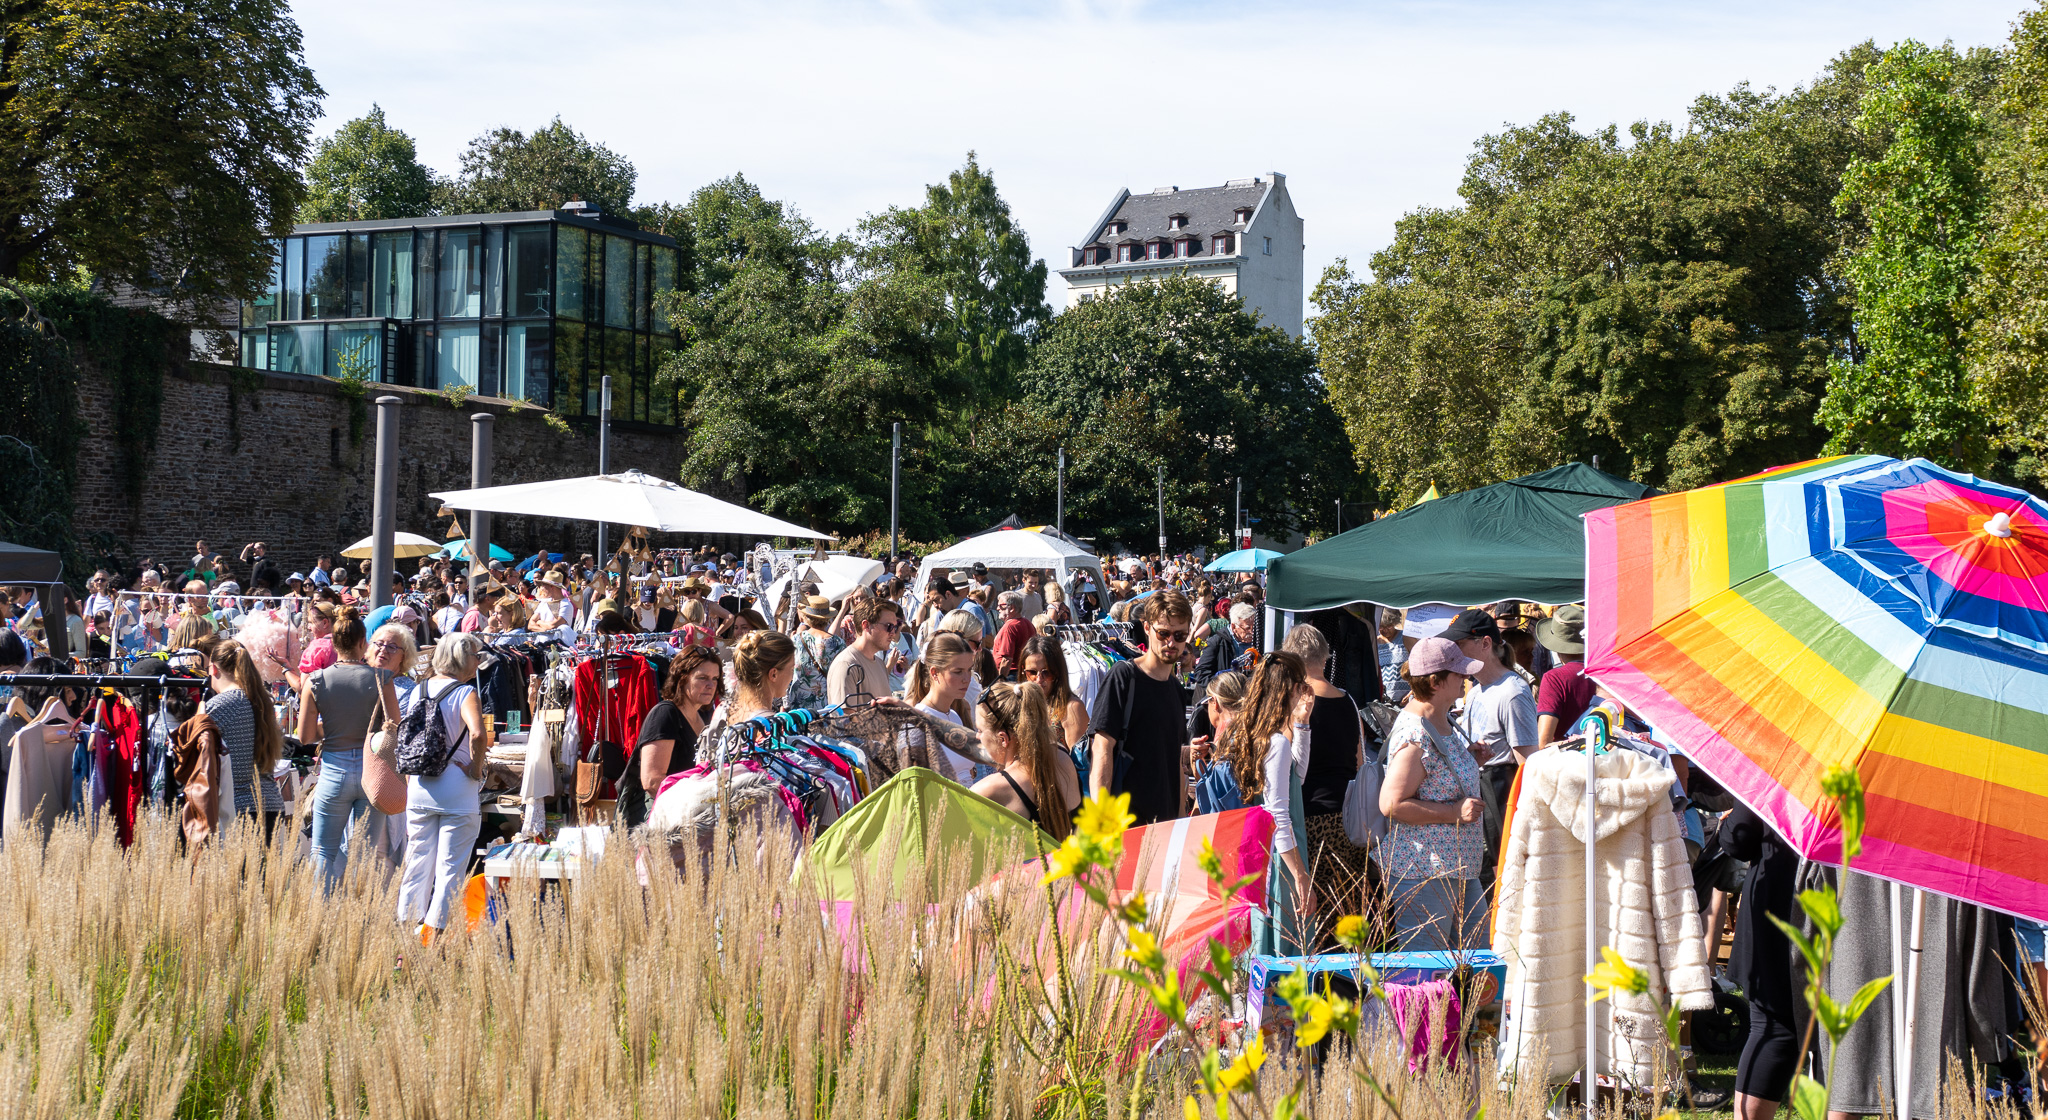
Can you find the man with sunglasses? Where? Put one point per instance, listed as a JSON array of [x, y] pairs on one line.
[[1140, 724], [863, 666]]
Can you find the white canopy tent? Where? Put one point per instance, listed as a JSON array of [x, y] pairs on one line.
[[836, 577], [1012, 550], [629, 498]]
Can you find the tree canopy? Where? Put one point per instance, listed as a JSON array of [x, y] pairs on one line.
[[366, 170], [156, 145], [507, 170]]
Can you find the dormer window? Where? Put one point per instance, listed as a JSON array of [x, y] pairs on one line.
[[1126, 253], [1115, 228], [1225, 244], [1177, 221], [1244, 214], [1098, 255], [1155, 250]]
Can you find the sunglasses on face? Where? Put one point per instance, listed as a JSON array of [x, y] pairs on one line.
[[889, 627], [1171, 635]]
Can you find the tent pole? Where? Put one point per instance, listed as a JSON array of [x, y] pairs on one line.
[[1898, 996], [1589, 1094], [1059, 508], [1903, 1107], [1162, 512], [604, 433], [895, 483]]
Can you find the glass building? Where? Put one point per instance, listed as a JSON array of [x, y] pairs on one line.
[[532, 306]]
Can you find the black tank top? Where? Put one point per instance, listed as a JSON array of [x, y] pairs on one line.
[[1332, 754], [1030, 806]]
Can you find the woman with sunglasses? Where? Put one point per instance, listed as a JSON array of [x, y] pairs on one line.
[[1045, 665]]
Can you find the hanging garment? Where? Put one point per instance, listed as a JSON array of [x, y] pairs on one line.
[[1427, 1032], [203, 774], [618, 709], [121, 732], [38, 778], [1645, 909]]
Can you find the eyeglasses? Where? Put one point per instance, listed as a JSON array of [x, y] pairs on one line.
[[385, 645], [1171, 635], [891, 627], [1036, 673]]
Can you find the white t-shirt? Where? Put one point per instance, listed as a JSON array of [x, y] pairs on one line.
[[962, 767]]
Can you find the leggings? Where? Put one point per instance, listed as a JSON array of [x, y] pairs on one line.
[[1770, 1058]]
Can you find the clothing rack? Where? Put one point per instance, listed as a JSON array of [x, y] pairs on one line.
[[1093, 631], [104, 680]]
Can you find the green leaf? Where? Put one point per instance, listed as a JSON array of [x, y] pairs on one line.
[[1809, 1099], [1824, 909], [1860, 1002], [1815, 959], [1288, 1107]]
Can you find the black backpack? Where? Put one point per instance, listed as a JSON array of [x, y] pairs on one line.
[[423, 748]]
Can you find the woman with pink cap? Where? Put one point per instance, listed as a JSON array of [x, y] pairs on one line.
[[1435, 848]]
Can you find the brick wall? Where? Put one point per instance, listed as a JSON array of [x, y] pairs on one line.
[[295, 481]]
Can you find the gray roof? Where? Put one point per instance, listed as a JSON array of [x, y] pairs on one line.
[[1206, 208]]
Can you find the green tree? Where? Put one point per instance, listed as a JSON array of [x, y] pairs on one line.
[[1664, 299], [1176, 374], [2009, 337], [1904, 390], [366, 170], [506, 170], [151, 144], [963, 237]]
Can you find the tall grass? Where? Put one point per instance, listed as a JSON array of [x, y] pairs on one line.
[[146, 983]]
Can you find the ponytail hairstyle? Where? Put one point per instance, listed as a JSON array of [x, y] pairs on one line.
[[758, 655], [1268, 711], [350, 639], [938, 654], [1020, 711], [234, 662]]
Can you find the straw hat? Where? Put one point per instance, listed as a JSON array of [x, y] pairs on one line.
[[697, 584], [817, 609]]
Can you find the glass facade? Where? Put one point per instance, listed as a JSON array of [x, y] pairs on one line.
[[535, 307]]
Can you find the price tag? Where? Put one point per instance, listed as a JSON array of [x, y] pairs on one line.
[[554, 715]]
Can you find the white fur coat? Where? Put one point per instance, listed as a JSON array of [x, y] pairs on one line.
[[1644, 908]]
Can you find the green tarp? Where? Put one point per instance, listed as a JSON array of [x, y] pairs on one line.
[[1520, 539], [936, 823]]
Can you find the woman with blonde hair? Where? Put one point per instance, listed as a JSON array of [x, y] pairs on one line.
[[969, 629], [763, 664], [938, 685], [1268, 753], [190, 630], [443, 811], [1036, 781], [240, 706]]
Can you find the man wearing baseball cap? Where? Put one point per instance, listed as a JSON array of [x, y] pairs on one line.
[[1500, 717], [1565, 692]]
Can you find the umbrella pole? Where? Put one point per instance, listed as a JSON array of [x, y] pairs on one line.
[[1904, 1107], [1589, 1087], [1899, 1012]]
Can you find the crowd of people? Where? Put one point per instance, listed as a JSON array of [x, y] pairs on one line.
[[1196, 711]]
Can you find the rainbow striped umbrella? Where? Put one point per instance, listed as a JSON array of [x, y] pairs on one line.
[[1886, 616]]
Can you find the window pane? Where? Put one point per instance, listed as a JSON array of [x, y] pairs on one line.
[[355, 350], [424, 356], [391, 276], [642, 379], [527, 362], [568, 389], [424, 257], [618, 282], [494, 271], [358, 275], [456, 356], [530, 271], [661, 407], [487, 360], [260, 311], [326, 275], [294, 278], [664, 281], [256, 349], [571, 247], [643, 282], [296, 349], [461, 291]]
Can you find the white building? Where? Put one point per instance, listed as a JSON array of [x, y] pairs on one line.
[[1243, 234]]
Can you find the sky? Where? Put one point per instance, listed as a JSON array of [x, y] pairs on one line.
[[845, 108]]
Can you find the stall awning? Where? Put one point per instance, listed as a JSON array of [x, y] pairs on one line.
[[629, 498], [1520, 539], [22, 564]]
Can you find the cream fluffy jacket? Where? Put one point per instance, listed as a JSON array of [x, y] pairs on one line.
[[1644, 906]]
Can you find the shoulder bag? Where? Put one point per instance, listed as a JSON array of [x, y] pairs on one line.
[[382, 783]]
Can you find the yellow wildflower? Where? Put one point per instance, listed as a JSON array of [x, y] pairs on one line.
[[1189, 1109], [1144, 950], [1103, 817], [1067, 859], [1210, 863], [1351, 931], [1615, 974], [1312, 1020], [1245, 1066]]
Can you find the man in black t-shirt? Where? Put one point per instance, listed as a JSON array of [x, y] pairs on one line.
[[1139, 714]]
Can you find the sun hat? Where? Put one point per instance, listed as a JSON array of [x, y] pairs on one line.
[[296, 577], [1437, 655], [817, 609], [1565, 631]]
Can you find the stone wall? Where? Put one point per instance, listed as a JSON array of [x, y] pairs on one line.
[[286, 473]]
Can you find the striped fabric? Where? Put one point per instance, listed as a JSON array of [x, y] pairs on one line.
[[1862, 611]]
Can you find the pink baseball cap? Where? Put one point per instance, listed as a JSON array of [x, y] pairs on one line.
[[1438, 655]]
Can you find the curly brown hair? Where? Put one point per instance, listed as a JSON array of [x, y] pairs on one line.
[[674, 688], [1268, 711]]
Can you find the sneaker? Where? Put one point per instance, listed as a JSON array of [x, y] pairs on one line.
[[1707, 1098]]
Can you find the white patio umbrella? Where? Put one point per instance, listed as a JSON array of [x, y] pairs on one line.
[[630, 498], [404, 546]]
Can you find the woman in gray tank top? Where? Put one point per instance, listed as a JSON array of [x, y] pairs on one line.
[[335, 710]]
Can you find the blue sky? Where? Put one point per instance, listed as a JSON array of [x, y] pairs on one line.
[[846, 108]]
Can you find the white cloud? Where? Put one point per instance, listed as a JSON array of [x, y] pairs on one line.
[[844, 109]]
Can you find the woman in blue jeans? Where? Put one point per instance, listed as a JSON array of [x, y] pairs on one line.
[[336, 705], [443, 811]]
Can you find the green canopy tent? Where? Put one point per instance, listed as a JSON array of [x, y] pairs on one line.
[[918, 821], [1520, 539]]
